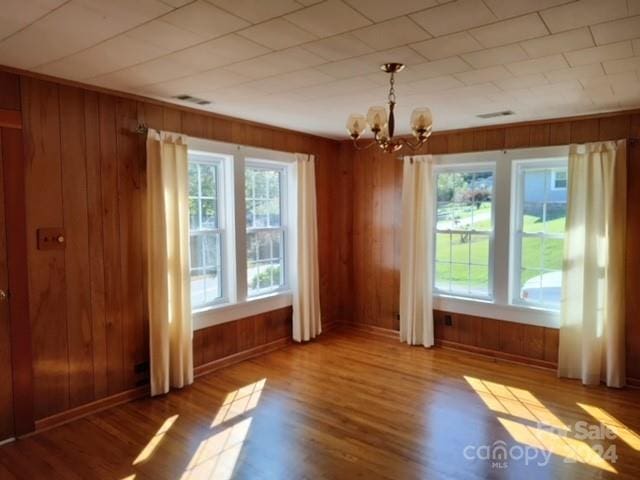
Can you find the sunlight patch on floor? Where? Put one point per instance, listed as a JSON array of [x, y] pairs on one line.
[[148, 450], [239, 401], [623, 432], [217, 455], [560, 445], [514, 401]]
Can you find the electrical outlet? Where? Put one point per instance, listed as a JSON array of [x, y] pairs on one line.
[[51, 239], [448, 321]]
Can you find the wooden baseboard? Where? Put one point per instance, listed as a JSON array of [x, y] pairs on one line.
[[485, 352], [633, 382], [383, 332], [241, 356], [89, 408]]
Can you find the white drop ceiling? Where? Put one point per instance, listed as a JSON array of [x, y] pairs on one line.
[[308, 64]]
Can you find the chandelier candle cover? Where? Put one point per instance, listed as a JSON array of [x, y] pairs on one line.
[[383, 125]]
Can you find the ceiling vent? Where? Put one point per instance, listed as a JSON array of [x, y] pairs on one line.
[[504, 113], [190, 99]]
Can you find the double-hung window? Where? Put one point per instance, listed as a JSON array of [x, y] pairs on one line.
[[540, 209], [464, 230], [499, 233], [265, 213], [206, 229], [239, 221]]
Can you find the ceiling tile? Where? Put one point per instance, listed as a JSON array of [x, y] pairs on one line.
[[513, 8], [582, 13], [538, 65], [328, 18], [613, 51], [437, 84], [433, 69], [338, 87], [634, 7], [276, 63], [349, 67], [338, 47], [110, 55], [277, 34], [558, 43], [257, 10], [483, 75], [454, 17], [73, 27], [495, 56], [619, 82], [392, 33], [404, 55], [218, 52], [17, 14], [624, 65], [195, 85], [204, 19], [636, 46], [166, 36], [510, 31], [525, 81], [610, 32], [154, 71], [291, 81], [379, 10], [575, 73], [447, 46]]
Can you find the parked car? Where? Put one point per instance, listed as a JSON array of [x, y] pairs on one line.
[[546, 288]]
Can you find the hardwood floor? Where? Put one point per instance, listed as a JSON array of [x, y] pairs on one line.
[[350, 405]]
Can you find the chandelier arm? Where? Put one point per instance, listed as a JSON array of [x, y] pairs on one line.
[[364, 147], [413, 146]]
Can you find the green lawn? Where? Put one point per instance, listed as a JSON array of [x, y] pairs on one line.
[[536, 254]]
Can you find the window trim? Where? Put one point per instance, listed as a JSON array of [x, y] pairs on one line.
[[500, 307], [239, 305], [473, 167]]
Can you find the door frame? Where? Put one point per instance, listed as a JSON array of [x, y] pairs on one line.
[[13, 160]]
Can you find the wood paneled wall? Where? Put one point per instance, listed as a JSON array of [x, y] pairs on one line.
[[85, 172], [377, 183]]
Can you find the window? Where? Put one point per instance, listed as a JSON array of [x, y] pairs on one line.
[[538, 234], [205, 227], [559, 179], [499, 233], [463, 231], [265, 228], [239, 227]]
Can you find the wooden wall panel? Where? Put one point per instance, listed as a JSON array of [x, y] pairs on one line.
[[376, 236], [86, 172], [6, 373]]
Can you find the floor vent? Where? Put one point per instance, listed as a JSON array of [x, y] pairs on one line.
[[190, 99], [503, 113]]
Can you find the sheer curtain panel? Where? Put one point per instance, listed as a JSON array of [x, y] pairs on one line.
[[592, 339], [170, 325]]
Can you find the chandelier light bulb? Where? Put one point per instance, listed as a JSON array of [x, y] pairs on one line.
[[356, 125], [421, 120], [377, 118]]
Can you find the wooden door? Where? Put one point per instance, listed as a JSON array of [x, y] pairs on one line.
[[6, 375]]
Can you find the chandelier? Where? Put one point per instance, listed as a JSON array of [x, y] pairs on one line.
[[383, 125]]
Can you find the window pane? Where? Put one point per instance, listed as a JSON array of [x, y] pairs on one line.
[[542, 192], [265, 263], [206, 285], [263, 197], [465, 204], [205, 230]]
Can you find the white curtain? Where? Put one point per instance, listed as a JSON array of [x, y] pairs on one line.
[[592, 340], [416, 278], [306, 284], [170, 328]]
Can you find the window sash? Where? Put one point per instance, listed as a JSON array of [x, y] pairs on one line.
[[467, 168]]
